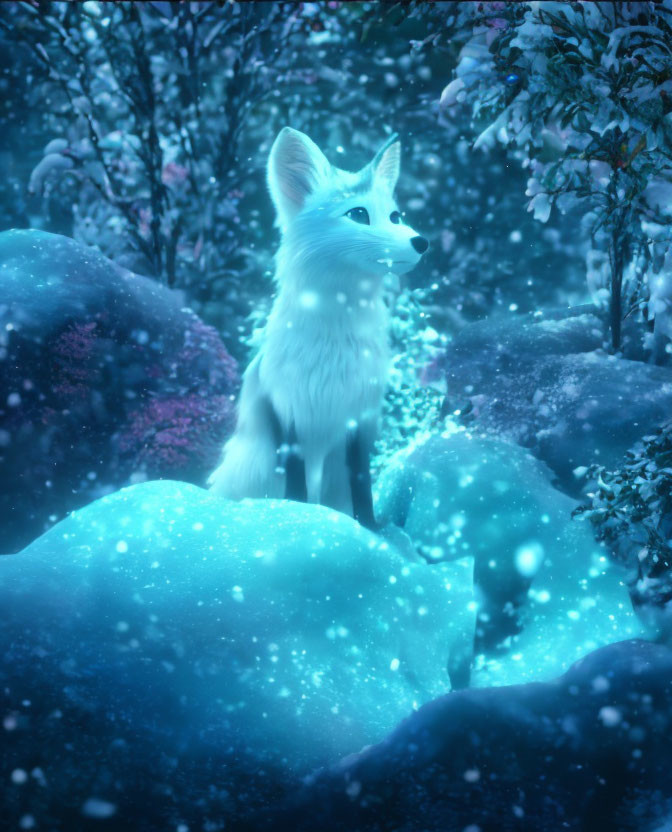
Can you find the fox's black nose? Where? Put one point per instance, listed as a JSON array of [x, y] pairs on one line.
[[419, 244]]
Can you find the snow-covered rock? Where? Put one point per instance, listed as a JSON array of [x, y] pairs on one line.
[[587, 751], [162, 630], [544, 382], [105, 378], [488, 502]]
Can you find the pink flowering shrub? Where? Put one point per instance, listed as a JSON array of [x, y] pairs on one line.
[[166, 436], [70, 355]]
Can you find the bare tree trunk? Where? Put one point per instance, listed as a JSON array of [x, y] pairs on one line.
[[616, 296], [619, 254]]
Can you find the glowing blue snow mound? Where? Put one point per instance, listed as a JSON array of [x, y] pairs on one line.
[[276, 629], [488, 502]]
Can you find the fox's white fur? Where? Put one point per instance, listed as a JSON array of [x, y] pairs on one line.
[[323, 360]]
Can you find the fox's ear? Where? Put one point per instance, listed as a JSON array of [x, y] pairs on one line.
[[386, 163], [296, 166]]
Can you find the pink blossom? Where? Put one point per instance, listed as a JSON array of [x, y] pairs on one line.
[[145, 220], [174, 174], [164, 435], [71, 353]]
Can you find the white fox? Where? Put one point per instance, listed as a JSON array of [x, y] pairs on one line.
[[311, 397]]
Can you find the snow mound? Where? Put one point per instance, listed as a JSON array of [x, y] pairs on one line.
[[543, 382], [488, 502], [277, 632]]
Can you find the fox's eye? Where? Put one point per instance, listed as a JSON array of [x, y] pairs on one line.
[[395, 217], [360, 215]]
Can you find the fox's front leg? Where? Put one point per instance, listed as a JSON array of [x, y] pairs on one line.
[[314, 475], [289, 457], [303, 474], [358, 459], [295, 470]]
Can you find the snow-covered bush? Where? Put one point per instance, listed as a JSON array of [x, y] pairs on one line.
[[147, 162], [631, 511], [582, 94], [415, 394]]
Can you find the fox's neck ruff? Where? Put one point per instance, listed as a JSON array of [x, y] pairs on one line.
[[325, 289], [330, 311]]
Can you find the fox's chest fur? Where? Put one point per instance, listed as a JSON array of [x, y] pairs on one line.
[[325, 369], [319, 374]]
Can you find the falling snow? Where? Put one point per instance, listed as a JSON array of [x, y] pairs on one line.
[[446, 292]]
